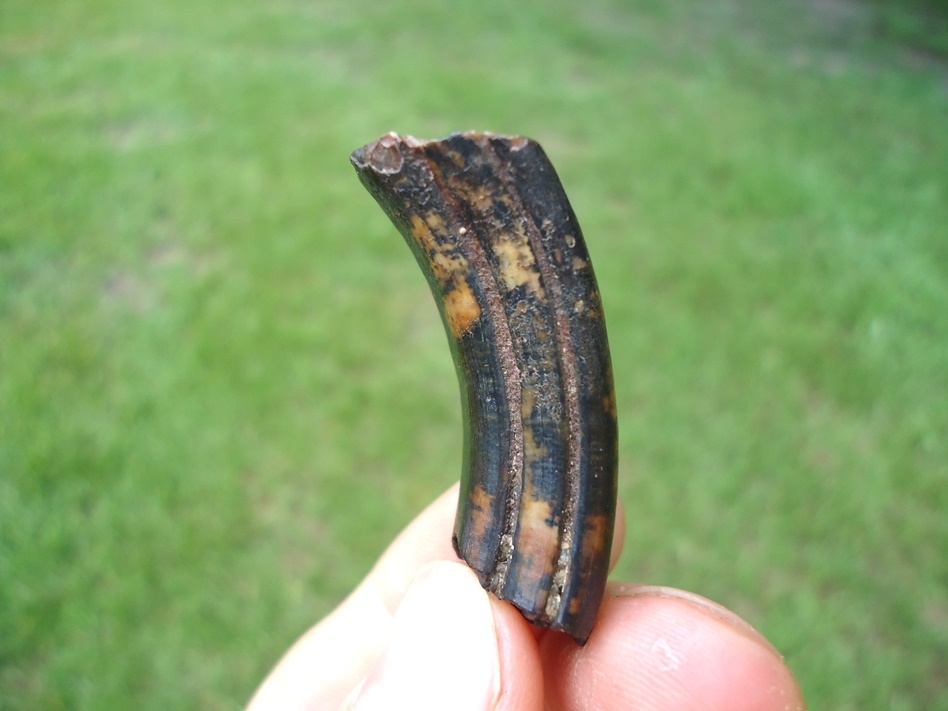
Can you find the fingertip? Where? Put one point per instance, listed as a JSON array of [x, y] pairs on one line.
[[443, 651], [521, 672], [663, 651], [453, 645]]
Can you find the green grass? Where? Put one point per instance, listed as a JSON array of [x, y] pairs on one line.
[[224, 387]]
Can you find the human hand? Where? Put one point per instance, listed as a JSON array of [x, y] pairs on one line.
[[419, 632]]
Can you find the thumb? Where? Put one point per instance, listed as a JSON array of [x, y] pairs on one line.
[[452, 646]]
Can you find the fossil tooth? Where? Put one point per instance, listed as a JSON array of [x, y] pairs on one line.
[[490, 225]]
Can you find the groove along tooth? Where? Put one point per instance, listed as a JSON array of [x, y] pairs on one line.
[[491, 228]]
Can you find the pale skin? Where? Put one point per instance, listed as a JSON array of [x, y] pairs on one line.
[[420, 633]]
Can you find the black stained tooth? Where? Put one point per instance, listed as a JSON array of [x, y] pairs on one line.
[[491, 228]]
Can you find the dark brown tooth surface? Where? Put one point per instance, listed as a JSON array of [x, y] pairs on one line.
[[490, 225]]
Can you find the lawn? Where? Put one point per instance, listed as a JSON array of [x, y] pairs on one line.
[[224, 386]]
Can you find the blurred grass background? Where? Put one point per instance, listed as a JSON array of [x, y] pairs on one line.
[[224, 387]]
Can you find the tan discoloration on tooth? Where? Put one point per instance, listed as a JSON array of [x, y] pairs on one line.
[[609, 405], [531, 450], [518, 266], [434, 222], [595, 537], [526, 403], [446, 262], [461, 308], [537, 540], [596, 541], [450, 268], [481, 198], [480, 511], [516, 261]]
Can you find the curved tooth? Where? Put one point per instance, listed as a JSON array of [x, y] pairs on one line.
[[490, 225]]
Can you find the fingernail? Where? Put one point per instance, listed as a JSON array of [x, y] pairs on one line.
[[443, 650], [707, 606]]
